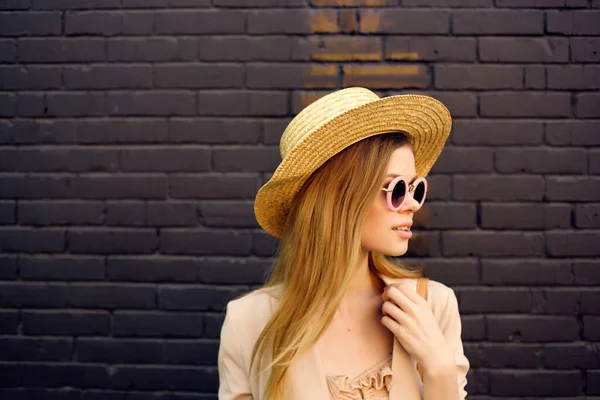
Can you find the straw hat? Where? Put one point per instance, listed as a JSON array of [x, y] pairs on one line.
[[333, 123]]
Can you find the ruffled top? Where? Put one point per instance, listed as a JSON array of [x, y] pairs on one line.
[[373, 384]]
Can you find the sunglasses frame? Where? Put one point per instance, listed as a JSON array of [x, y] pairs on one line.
[[410, 189]]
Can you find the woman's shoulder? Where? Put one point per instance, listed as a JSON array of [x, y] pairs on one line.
[[255, 306]]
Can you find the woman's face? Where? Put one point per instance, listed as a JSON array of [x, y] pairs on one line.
[[378, 233]]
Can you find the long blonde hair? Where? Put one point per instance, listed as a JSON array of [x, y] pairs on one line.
[[319, 251]]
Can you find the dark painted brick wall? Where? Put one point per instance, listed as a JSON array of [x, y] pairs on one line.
[[134, 135]]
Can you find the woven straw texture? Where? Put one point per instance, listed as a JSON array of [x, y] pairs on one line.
[[337, 121]]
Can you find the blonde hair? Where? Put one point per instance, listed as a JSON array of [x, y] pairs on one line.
[[319, 250]]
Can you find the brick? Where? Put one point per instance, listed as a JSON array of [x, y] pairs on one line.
[[460, 104], [156, 324], [591, 329], [109, 77], [74, 160], [34, 23], [524, 50], [575, 244], [587, 215], [138, 23], [8, 50], [231, 214], [559, 188], [36, 349], [263, 244], [170, 159], [111, 240], [31, 240], [535, 77], [348, 21], [464, 159], [117, 131], [273, 129], [540, 160], [75, 4], [448, 3], [424, 244], [27, 186], [493, 244], [93, 23], [559, 301], [573, 22], [532, 328], [259, 3], [292, 22], [473, 328], [126, 351], [75, 104], [189, 22], [30, 77], [510, 355], [8, 212], [126, 213], [243, 103], [430, 48], [525, 104], [497, 22], [40, 131], [593, 376], [405, 21], [242, 48], [526, 272], [535, 383], [150, 49], [152, 269], [80, 323], [15, 5], [111, 296], [387, 76], [213, 186], [594, 162], [542, 3], [214, 131], [195, 352], [572, 133], [122, 186], [204, 242], [51, 50], [449, 215], [9, 321], [570, 356], [31, 104], [495, 300], [590, 303], [478, 77], [574, 77], [336, 49], [455, 271], [151, 103], [496, 133], [490, 187], [8, 105], [524, 216], [248, 159], [239, 271], [10, 267], [33, 295], [439, 187], [352, 3], [165, 3], [587, 105], [196, 298], [43, 375], [62, 268], [188, 379], [42, 213], [199, 76], [289, 76], [585, 49], [172, 214]]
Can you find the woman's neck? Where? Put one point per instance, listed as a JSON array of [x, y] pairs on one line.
[[364, 286]]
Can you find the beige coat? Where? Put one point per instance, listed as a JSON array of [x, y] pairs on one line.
[[247, 316]]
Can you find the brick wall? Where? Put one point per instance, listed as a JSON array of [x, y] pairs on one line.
[[135, 133]]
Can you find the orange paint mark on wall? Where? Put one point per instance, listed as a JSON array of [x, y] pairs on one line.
[[324, 21]]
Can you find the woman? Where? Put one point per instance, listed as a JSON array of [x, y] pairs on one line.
[[337, 319]]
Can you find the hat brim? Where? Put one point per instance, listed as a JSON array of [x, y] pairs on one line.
[[424, 119]]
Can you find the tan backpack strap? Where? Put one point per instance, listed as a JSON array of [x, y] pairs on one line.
[[422, 291]]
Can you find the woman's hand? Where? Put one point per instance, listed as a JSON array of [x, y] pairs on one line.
[[407, 315]]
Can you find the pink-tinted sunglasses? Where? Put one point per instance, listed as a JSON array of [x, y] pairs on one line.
[[398, 188]]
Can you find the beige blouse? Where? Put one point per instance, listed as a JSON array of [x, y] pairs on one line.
[[372, 384]]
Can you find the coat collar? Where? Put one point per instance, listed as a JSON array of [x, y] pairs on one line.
[[306, 379]]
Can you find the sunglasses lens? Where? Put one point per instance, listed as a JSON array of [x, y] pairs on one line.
[[398, 193], [419, 193]]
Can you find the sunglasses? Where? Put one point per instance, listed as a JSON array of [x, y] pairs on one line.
[[398, 188]]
